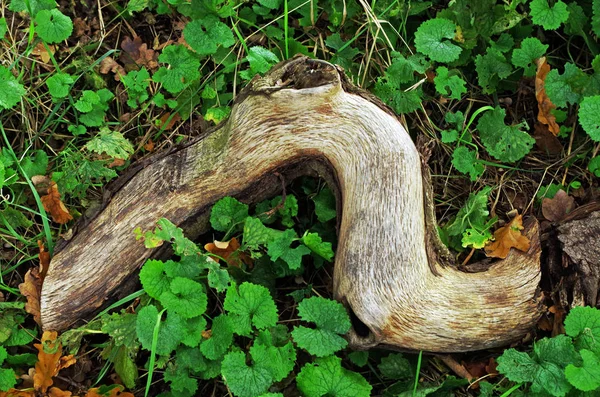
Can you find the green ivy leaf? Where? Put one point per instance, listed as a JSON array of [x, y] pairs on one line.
[[206, 34], [429, 40], [8, 378], [278, 360], [566, 88], [344, 52], [360, 358], [248, 305], [465, 160], [59, 84], [586, 377], [326, 377], [121, 328], [35, 164], [53, 26], [280, 247], [505, 143], [184, 68], [170, 334], [11, 90], [475, 238], [491, 68], [396, 366], [314, 242], [221, 337], [525, 57], [261, 60], [185, 297], [125, 366], [583, 325], [325, 205], [331, 320], [549, 17], [227, 213], [153, 278], [137, 83], [589, 116], [113, 143], [451, 86], [246, 380]]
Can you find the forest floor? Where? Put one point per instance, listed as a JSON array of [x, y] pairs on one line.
[[506, 93]]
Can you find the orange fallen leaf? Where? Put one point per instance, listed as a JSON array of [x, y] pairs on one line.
[[109, 65], [555, 209], [545, 105], [17, 393], [53, 204], [149, 146], [31, 288], [228, 250], [508, 237], [44, 257], [117, 391], [40, 51], [49, 361], [116, 163], [56, 392], [166, 123]]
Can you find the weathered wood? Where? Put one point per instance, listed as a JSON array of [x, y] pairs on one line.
[[305, 117]]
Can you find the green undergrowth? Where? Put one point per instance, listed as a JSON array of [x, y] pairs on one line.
[[86, 91]]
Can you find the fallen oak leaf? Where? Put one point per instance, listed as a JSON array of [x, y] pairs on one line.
[[56, 392], [44, 257], [508, 237], [228, 250], [53, 205], [31, 288], [50, 361], [17, 393], [136, 53], [109, 65], [556, 208], [545, 105]]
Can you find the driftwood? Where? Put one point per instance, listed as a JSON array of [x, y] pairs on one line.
[[305, 118]]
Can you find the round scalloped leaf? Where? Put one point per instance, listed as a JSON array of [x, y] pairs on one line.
[[186, 298], [589, 116], [429, 40], [53, 26]]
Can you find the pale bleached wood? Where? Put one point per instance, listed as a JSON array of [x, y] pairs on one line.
[[304, 111]]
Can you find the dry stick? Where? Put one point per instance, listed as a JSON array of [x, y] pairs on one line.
[[402, 291], [455, 366], [569, 150]]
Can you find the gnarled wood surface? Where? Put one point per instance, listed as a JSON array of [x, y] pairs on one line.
[[304, 117]]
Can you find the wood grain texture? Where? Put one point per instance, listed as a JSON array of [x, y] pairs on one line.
[[301, 116]]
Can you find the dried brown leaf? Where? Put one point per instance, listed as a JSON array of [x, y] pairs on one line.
[[555, 209], [137, 54], [229, 250], [48, 363], [545, 105], [508, 237], [31, 288], [117, 391], [56, 392], [545, 140], [53, 205]]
